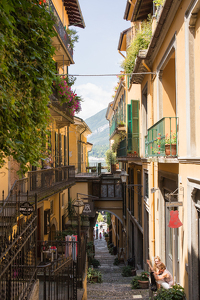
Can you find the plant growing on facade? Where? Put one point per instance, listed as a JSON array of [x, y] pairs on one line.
[[65, 94], [140, 42], [120, 78], [26, 74]]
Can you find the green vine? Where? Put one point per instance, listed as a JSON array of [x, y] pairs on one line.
[[27, 71], [140, 42]]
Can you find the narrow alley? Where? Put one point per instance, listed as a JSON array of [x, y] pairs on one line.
[[114, 285]]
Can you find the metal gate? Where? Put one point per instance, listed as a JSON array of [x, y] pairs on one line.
[[57, 271], [17, 244]]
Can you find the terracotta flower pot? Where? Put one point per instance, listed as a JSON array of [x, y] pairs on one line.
[[173, 149], [95, 278], [143, 284]]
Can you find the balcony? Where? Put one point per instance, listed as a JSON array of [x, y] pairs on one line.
[[61, 31], [60, 111], [129, 148], [117, 124], [161, 140], [48, 182]]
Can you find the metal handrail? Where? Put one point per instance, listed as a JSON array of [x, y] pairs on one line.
[[60, 29]]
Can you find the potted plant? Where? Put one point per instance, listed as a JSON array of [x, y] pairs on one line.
[[94, 276], [144, 280], [140, 281], [116, 261], [170, 144], [174, 293], [95, 262], [127, 271], [106, 237]]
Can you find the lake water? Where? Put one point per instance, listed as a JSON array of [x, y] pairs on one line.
[[93, 161]]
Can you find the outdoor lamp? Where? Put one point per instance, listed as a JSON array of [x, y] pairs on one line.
[[78, 206], [123, 176]]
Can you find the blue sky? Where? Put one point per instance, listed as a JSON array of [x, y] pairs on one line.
[[96, 52]]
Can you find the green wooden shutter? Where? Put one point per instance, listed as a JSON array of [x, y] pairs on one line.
[[129, 111], [135, 126]]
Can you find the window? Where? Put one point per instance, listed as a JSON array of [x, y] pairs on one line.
[[146, 186], [51, 207], [63, 199]]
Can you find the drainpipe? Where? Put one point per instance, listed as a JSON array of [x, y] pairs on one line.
[[81, 134], [121, 54], [153, 216], [68, 145]]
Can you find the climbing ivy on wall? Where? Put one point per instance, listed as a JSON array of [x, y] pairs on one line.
[[140, 42], [26, 75]]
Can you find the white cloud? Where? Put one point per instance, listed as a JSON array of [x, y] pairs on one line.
[[95, 98]]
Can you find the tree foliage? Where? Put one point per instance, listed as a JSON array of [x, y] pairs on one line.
[[140, 42], [73, 37], [26, 74], [110, 159]]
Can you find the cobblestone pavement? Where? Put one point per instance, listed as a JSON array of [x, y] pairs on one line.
[[114, 285]]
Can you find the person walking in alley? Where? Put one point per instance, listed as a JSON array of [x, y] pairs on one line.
[[100, 236]]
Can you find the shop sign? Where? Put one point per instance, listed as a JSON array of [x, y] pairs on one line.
[[89, 209], [26, 209]]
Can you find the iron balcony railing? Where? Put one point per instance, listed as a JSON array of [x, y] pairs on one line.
[[44, 183], [61, 107], [50, 181], [128, 147], [161, 139], [117, 120], [60, 29], [122, 149]]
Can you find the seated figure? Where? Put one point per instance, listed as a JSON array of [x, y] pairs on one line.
[[164, 277]]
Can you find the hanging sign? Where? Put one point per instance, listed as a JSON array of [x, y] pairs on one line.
[[89, 209], [174, 204], [26, 209]]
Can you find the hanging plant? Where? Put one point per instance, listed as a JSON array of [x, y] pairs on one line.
[[65, 94]]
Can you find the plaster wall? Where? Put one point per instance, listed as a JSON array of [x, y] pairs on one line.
[[61, 11], [4, 177]]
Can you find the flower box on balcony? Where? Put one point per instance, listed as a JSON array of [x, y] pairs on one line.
[[170, 150]]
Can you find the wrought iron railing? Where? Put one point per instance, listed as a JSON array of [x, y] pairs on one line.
[[50, 181], [60, 28], [62, 267], [57, 270], [161, 139], [117, 120], [122, 149], [17, 246], [57, 104], [129, 147]]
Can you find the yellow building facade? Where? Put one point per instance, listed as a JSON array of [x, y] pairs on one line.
[[164, 173]]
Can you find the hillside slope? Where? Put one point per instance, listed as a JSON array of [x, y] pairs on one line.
[[100, 133]]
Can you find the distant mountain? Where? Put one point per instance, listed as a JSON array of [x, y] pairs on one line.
[[100, 133]]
